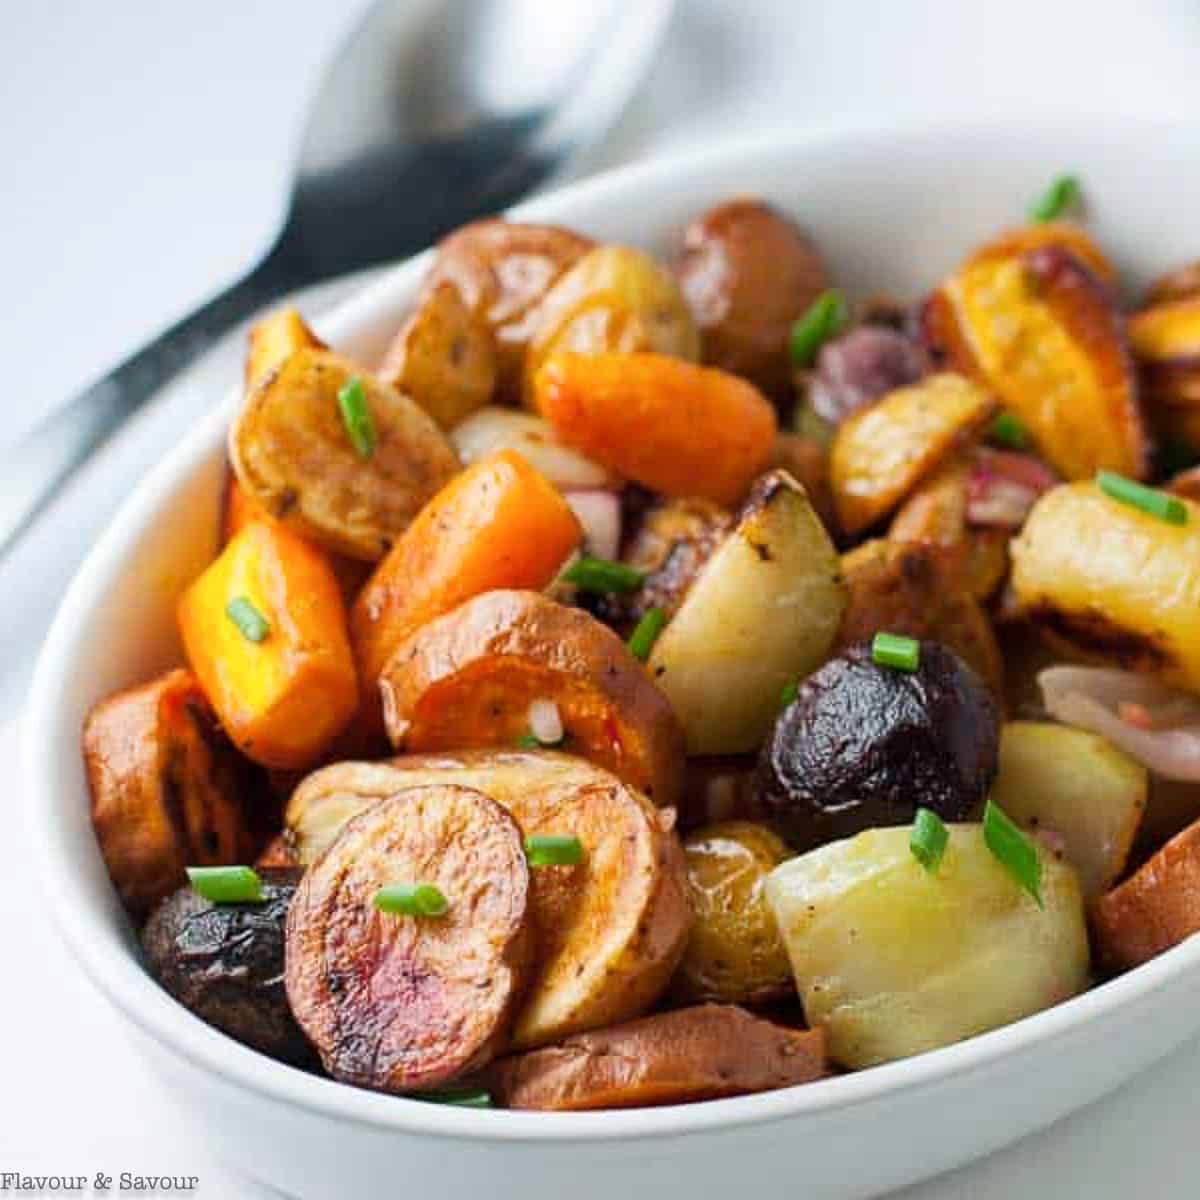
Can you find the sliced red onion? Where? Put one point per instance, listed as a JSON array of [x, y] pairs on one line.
[[599, 513], [1004, 486], [1091, 698], [545, 722]]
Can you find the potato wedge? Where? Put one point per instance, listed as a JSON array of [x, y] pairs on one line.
[[468, 679], [1113, 581], [762, 612], [699, 1053], [167, 788], [1166, 342], [1079, 786], [892, 959], [1064, 235], [881, 453], [611, 930], [443, 357], [273, 340], [1156, 908], [1041, 330], [918, 589], [291, 452]]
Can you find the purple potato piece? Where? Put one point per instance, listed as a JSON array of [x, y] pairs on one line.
[[856, 369]]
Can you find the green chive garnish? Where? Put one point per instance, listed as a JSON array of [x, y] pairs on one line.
[[603, 575], [356, 416], [892, 650], [1016, 852], [553, 850], [825, 316], [789, 693], [463, 1097], [226, 885], [642, 639], [928, 839], [411, 899], [528, 742], [252, 625], [1010, 431], [1158, 504], [1063, 193]]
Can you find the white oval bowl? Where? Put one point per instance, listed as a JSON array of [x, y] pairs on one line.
[[891, 209]]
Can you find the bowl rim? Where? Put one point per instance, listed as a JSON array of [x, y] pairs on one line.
[[104, 953]]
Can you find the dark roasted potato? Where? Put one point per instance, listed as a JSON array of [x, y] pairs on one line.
[[748, 272], [224, 962], [167, 787]]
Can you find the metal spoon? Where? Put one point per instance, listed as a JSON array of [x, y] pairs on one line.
[[433, 112]]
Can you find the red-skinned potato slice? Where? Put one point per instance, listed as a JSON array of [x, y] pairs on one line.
[[395, 1002], [468, 679], [699, 1053]]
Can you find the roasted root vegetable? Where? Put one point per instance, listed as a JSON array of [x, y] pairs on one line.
[[264, 629], [611, 929], [469, 678], [806, 460], [1038, 327], [882, 452], [443, 357], [762, 612], [747, 272], [1078, 787], [273, 340], [224, 962], [734, 953], [700, 1053], [294, 452], [1155, 908], [167, 788], [892, 959], [854, 370], [1166, 343], [1113, 581], [400, 1002], [498, 524], [613, 300], [677, 428]]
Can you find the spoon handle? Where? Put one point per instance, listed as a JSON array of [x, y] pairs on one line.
[[41, 459]]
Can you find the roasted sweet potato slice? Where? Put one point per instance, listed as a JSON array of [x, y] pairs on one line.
[[611, 930], [1040, 329], [700, 1053], [1155, 908], [881, 453], [167, 788], [292, 452], [468, 679], [398, 1003]]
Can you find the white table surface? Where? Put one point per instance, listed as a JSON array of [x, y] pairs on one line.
[[146, 149]]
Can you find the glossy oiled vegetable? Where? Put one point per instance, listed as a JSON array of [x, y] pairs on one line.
[[396, 1002], [762, 613], [614, 299], [1114, 581], [293, 454], [468, 679], [677, 428], [273, 340], [892, 959], [699, 1053], [734, 953], [166, 788], [285, 696], [1077, 786], [611, 929], [224, 962], [881, 453], [1166, 342]]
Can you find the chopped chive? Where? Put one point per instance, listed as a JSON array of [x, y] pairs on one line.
[[553, 850], [823, 318], [892, 650], [411, 899], [1015, 852], [789, 693], [928, 839], [642, 639], [226, 885], [1009, 430], [464, 1097], [1063, 193], [252, 625], [603, 575], [356, 416], [1150, 500], [528, 742]]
